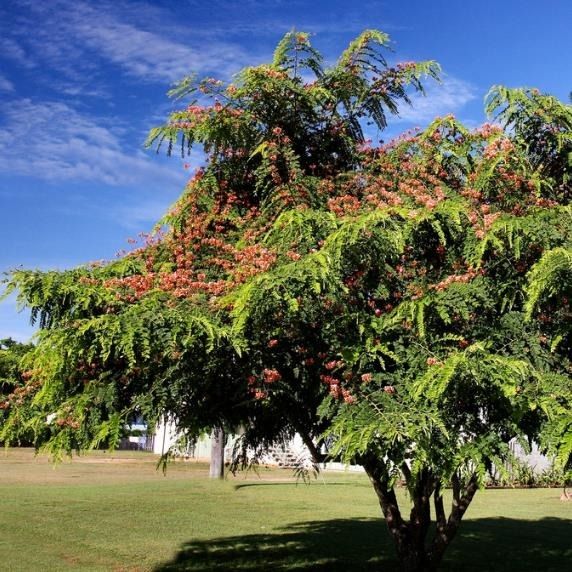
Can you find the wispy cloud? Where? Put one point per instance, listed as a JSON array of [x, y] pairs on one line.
[[79, 38], [6, 84], [82, 90], [148, 56], [450, 96], [148, 49], [55, 142], [12, 50]]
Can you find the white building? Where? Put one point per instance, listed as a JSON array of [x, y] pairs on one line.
[[296, 453]]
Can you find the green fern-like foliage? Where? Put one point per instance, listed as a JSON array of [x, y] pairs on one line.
[[543, 127], [550, 276]]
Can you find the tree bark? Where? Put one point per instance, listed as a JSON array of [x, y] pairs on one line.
[[315, 453], [410, 537], [217, 454], [446, 531], [398, 528]]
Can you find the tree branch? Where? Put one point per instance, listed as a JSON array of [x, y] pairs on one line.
[[440, 515], [462, 497]]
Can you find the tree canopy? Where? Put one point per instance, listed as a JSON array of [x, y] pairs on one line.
[[404, 306]]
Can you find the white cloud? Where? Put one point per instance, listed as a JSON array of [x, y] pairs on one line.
[[82, 91], [6, 84], [53, 141], [12, 50], [79, 39], [152, 57], [450, 96], [146, 48]]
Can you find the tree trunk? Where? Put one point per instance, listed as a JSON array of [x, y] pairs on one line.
[[217, 454], [413, 560], [399, 529], [410, 537], [315, 453]]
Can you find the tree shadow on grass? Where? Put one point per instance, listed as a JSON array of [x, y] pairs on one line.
[[509, 545], [348, 545], [324, 546], [293, 485]]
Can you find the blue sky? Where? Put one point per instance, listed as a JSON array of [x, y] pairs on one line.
[[81, 83]]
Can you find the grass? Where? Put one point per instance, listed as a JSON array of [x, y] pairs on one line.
[[103, 512]]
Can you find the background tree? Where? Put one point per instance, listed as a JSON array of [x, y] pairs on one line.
[[11, 355], [379, 301], [13, 374]]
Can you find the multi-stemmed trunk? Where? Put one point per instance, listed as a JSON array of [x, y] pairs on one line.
[[415, 550]]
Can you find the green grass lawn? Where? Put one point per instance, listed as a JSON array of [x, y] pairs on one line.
[[116, 512]]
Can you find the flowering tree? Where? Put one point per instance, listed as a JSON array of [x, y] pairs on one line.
[[11, 355], [11, 379], [397, 306]]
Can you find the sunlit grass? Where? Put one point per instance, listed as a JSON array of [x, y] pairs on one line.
[[118, 512]]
